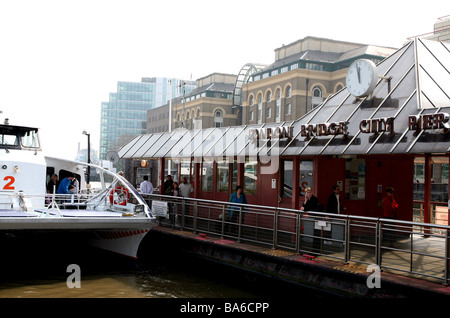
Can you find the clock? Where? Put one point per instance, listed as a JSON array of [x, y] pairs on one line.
[[361, 77]]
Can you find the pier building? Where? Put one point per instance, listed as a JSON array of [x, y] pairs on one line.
[[364, 143], [388, 127]]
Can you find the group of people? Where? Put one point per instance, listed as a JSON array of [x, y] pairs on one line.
[[171, 187], [311, 203], [334, 205], [68, 185]]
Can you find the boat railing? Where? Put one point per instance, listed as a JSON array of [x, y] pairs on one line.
[[409, 248], [113, 199]]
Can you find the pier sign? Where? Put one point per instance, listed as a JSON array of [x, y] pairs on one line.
[[268, 133], [159, 208]]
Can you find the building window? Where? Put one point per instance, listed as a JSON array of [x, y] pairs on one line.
[[269, 112], [207, 176], [218, 118], [259, 109], [317, 91], [314, 67], [269, 96], [287, 176], [288, 92], [317, 97], [306, 175], [288, 109], [250, 176], [186, 170], [198, 113], [252, 116], [222, 174], [251, 101], [278, 106]]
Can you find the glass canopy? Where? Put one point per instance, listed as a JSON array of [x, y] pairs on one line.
[[408, 112]]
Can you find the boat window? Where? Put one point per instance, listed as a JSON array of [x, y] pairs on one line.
[[9, 140], [17, 137], [30, 139]]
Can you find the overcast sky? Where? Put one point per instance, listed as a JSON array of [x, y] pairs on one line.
[[60, 59]]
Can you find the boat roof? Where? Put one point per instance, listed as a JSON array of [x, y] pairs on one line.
[[8, 129]]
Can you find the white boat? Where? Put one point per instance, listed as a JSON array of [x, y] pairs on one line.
[[113, 217]]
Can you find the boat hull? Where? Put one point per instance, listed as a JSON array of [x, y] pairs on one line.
[[111, 234]]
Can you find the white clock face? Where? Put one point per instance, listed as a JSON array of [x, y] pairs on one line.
[[361, 78]]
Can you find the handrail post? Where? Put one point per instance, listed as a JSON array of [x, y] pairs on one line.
[[239, 224], [447, 239], [297, 233], [183, 211], [347, 240], [378, 243], [194, 221], [275, 229], [183, 217], [223, 222]]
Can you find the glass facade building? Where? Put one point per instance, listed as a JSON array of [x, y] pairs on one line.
[[124, 115]]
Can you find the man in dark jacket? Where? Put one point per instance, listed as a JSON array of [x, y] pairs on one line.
[[311, 202], [334, 205]]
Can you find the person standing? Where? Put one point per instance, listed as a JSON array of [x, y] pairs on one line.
[[173, 207], [168, 185], [186, 188], [390, 206], [176, 189], [53, 182], [52, 187], [146, 186], [233, 210], [185, 191], [76, 186], [311, 202], [334, 203]]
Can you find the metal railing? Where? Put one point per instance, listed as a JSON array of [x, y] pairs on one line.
[[409, 248]]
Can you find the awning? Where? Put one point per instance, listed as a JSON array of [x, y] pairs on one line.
[[408, 112]]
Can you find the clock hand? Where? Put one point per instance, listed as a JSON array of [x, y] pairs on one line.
[[359, 74]]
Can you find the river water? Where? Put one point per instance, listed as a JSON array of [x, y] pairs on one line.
[[38, 269]]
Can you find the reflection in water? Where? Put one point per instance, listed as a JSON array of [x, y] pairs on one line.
[[91, 287], [37, 268]]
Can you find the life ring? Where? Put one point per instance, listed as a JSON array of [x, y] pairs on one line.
[[122, 195]]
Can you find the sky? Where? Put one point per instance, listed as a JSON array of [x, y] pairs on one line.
[[60, 59]]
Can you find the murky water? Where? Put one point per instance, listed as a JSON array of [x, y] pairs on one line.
[[38, 269]]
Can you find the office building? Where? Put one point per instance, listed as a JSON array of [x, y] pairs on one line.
[[125, 114]]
